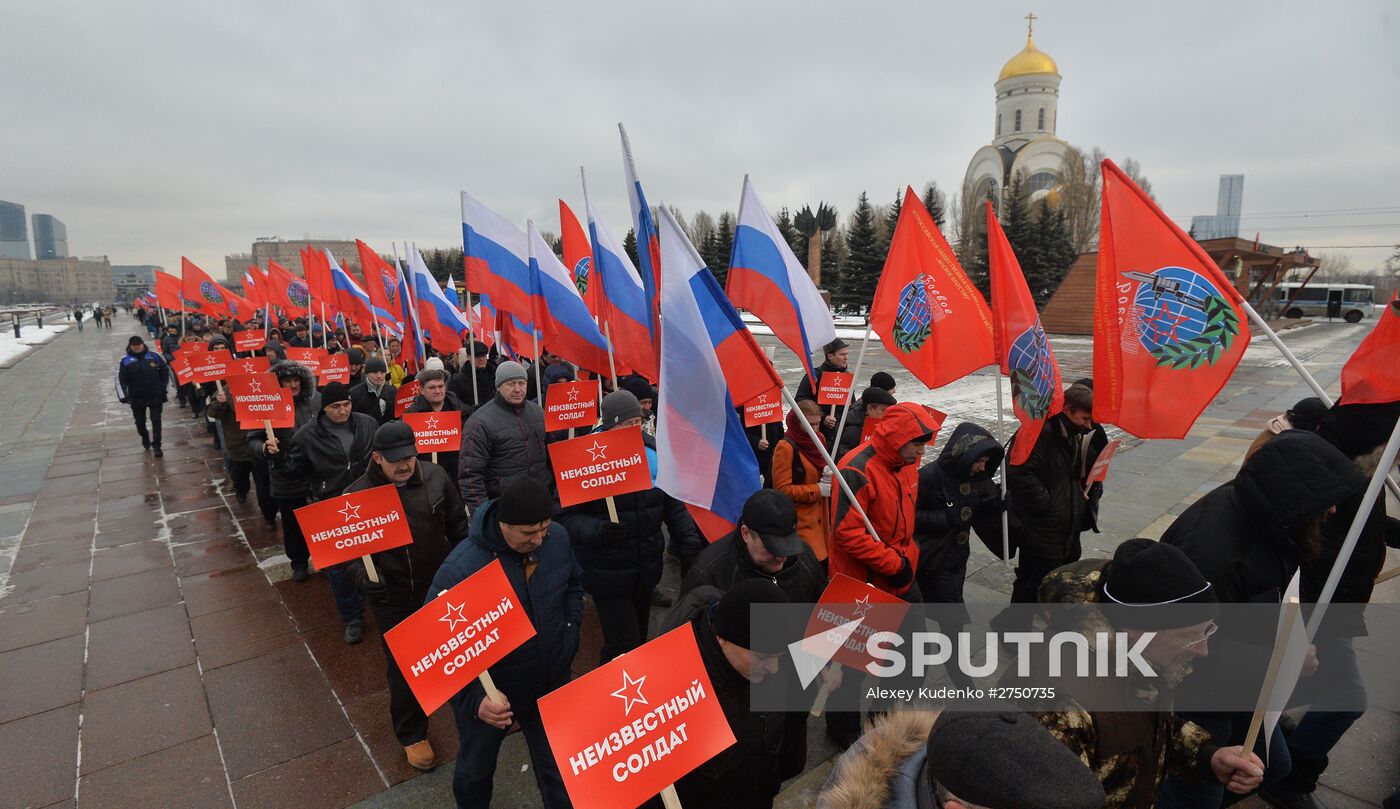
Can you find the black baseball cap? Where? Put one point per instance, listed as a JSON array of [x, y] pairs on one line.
[[394, 441], [771, 514]]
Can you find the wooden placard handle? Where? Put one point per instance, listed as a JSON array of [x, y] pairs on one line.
[[369, 569], [822, 694], [612, 509], [492, 693], [670, 798]]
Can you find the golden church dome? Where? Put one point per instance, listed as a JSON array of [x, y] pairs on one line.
[[1028, 62]]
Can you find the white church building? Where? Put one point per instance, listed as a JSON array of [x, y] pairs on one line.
[[1028, 93]]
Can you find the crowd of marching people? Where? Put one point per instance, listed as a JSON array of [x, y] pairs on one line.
[[883, 517]]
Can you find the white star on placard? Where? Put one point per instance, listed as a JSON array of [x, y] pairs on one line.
[[863, 606], [247, 367], [350, 512], [430, 422], [598, 451], [573, 394], [255, 386], [454, 616], [631, 692]]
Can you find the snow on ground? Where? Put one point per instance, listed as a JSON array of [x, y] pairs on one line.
[[30, 337]]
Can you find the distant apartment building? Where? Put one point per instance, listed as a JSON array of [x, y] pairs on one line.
[[131, 280], [14, 231], [58, 280], [288, 255], [50, 237]]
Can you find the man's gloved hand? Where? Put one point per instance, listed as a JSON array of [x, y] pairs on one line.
[[905, 574], [376, 591], [614, 532]]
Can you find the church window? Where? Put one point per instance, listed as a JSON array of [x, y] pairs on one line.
[[1018, 120], [1041, 181], [998, 124], [1041, 122]]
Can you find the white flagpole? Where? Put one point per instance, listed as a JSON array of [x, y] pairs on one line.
[[850, 396], [1303, 372], [1001, 431]]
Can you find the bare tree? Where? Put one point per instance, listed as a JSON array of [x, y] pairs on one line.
[[1079, 196], [1134, 172], [702, 226], [1334, 267], [966, 208]]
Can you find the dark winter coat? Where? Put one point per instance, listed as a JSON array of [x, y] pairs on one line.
[[552, 597], [630, 566], [885, 768], [168, 344], [449, 461], [306, 405], [235, 439], [850, 435], [461, 384], [1367, 558], [726, 562], [317, 454], [436, 519], [951, 499], [769, 747], [1241, 535], [806, 391], [1047, 492], [378, 406], [500, 443], [142, 378]]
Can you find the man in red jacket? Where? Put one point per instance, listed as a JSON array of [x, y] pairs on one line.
[[883, 474]]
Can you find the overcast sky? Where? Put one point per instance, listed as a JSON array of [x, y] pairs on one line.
[[156, 130]]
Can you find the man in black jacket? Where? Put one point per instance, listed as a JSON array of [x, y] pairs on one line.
[[438, 521], [141, 380], [769, 746], [516, 529], [480, 368], [764, 546], [375, 395], [331, 451], [837, 355], [434, 397], [1048, 499]]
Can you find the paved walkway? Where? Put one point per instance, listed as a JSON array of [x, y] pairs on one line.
[[153, 652]]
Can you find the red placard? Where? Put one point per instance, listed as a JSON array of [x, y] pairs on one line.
[[334, 368], [835, 388], [404, 397], [1099, 471], [249, 340], [436, 432], [249, 365], [867, 429], [657, 701], [181, 366], [764, 408], [353, 525], [258, 399], [570, 404], [310, 357], [207, 366], [189, 347], [600, 465], [455, 637], [846, 599]]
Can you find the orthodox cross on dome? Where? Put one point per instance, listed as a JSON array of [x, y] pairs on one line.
[[1030, 21]]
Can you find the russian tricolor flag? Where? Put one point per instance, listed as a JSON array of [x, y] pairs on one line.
[[436, 315], [706, 353], [411, 352], [623, 304], [562, 315], [766, 279], [648, 248], [354, 302], [496, 258]]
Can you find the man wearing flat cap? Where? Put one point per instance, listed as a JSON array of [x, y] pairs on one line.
[[996, 759], [1146, 587], [518, 529], [764, 546]]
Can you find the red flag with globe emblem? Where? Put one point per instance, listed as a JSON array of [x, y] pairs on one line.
[[202, 294], [1168, 326], [286, 291], [928, 314], [578, 258], [1022, 350]]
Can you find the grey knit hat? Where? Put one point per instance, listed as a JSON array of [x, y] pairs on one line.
[[619, 406], [508, 371]]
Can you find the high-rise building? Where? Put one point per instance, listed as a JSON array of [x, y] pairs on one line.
[[1225, 223], [50, 237], [14, 231]]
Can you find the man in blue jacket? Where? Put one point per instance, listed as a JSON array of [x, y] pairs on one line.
[[141, 381], [516, 528]]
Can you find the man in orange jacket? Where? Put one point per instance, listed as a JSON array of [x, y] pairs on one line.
[[883, 474]]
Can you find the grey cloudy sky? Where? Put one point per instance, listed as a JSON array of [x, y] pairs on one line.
[[160, 129]]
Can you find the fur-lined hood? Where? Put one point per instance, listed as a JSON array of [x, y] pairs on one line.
[[293, 368], [864, 777]]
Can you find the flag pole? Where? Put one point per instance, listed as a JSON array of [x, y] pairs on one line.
[[1005, 518], [539, 383], [835, 474], [851, 394], [612, 363], [1303, 372], [471, 335], [597, 278]]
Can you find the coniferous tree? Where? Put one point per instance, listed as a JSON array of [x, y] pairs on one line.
[[891, 221], [723, 245], [864, 259], [936, 204], [791, 236], [1054, 252], [629, 244]]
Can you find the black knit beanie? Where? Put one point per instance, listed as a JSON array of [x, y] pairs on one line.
[[525, 502], [1150, 585], [731, 616]]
